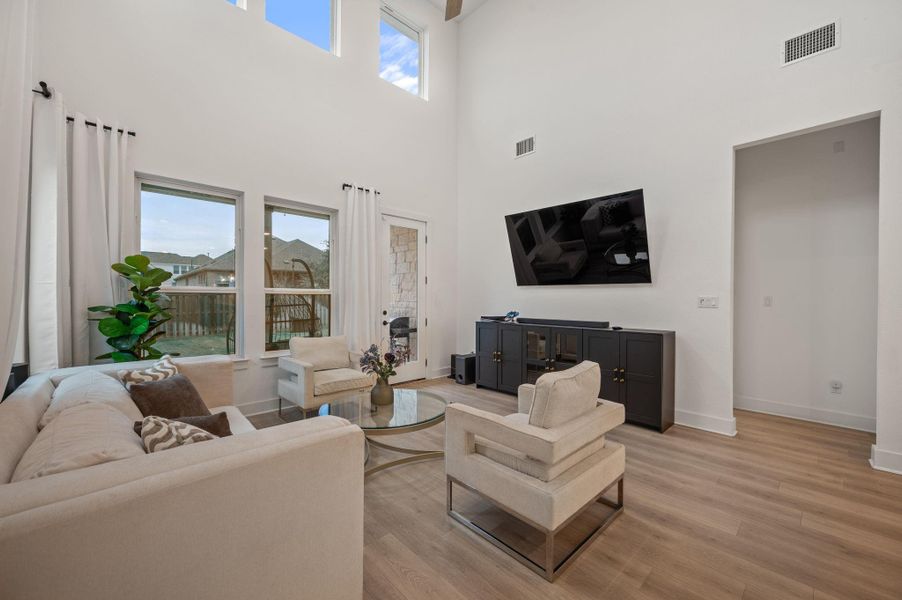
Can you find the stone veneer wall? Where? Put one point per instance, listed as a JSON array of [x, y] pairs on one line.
[[403, 272]]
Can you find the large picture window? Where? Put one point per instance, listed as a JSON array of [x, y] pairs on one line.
[[191, 234], [297, 274]]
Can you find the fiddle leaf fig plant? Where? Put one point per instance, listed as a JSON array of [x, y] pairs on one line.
[[131, 328]]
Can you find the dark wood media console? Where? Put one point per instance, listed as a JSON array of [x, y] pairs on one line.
[[637, 365]]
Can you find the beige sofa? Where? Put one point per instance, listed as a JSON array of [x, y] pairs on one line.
[[275, 513], [320, 370]]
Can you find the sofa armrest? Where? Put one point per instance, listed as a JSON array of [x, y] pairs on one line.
[[292, 494], [303, 372], [354, 360], [526, 393]]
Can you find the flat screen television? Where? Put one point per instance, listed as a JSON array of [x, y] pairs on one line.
[[596, 241]]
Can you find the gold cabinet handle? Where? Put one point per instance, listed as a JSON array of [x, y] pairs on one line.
[[622, 380]]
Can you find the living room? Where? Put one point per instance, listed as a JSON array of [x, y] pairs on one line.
[[410, 173]]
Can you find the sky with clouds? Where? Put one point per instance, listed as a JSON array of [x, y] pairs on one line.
[[399, 58]]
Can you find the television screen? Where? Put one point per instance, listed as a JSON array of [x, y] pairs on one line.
[[602, 240]]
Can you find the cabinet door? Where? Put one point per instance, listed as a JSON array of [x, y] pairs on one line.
[[566, 348], [603, 347], [510, 372], [486, 347], [640, 357], [537, 353]]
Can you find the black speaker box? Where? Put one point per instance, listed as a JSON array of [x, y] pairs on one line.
[[463, 368]]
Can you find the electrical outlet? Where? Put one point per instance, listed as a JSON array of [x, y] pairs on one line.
[[708, 302], [768, 301], [836, 387]]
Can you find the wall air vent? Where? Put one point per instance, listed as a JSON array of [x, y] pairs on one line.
[[812, 43], [524, 147]]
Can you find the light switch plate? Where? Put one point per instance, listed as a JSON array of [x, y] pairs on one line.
[[708, 302]]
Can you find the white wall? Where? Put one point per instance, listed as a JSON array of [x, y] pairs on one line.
[[655, 95], [220, 97], [806, 237]]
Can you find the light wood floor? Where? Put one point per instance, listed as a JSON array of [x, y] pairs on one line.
[[787, 509]]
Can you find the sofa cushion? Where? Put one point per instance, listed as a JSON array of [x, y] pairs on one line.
[[339, 380], [323, 353], [564, 395], [160, 434], [162, 369], [89, 386], [82, 436], [169, 398]]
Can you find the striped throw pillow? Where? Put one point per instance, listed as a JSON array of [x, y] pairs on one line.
[[159, 434], [162, 369]]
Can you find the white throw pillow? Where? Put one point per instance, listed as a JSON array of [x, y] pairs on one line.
[[160, 370], [90, 386], [82, 436]]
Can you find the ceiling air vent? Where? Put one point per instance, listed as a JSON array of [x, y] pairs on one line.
[[524, 147], [810, 44]]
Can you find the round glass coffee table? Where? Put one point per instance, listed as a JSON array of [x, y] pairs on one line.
[[412, 410]]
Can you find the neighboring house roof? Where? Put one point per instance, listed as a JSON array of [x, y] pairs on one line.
[[168, 258], [282, 254]]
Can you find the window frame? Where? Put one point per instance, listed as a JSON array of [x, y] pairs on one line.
[[401, 23], [315, 211], [237, 199]]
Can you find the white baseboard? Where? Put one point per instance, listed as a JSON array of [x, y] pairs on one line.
[[439, 373], [886, 460], [259, 407], [806, 413], [706, 422]]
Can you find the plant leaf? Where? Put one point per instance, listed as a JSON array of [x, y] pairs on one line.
[[124, 269], [125, 343], [139, 325], [138, 261], [104, 356], [123, 356], [127, 308], [113, 327], [101, 309]]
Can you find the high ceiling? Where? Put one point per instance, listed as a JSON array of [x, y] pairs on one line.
[[469, 7]]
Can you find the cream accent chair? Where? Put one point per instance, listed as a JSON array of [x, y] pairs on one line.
[[544, 464], [320, 370]]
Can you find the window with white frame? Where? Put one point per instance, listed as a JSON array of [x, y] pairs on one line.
[[191, 232], [312, 20], [297, 274], [401, 55]]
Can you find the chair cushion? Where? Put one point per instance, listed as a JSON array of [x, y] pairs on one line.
[[518, 461], [89, 386], [564, 395], [82, 436], [323, 353], [549, 251], [339, 380]]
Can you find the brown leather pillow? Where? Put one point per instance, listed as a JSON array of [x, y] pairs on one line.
[[170, 398], [217, 424]]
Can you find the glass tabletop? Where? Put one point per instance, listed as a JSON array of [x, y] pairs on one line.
[[411, 408]]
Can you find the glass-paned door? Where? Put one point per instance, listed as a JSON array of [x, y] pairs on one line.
[[404, 292]]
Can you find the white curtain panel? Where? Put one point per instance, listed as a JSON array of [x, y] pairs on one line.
[[81, 208], [16, 18], [358, 292]]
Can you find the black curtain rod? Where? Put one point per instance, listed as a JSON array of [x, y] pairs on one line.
[[345, 186], [45, 91]]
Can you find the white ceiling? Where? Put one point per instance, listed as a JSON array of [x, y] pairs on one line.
[[469, 7]]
